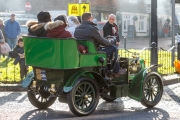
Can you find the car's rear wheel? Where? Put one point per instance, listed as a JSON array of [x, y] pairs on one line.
[[84, 97], [41, 100]]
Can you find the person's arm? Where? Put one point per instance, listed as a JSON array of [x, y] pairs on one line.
[[1, 35], [6, 28], [18, 29], [99, 39]]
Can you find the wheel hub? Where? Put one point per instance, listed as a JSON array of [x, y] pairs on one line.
[[86, 97]]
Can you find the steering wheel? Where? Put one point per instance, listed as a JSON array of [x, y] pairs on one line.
[[112, 39]]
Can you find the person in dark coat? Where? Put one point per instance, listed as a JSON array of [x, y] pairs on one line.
[[1, 41], [111, 29], [18, 54], [36, 28], [88, 31], [57, 28], [2, 26]]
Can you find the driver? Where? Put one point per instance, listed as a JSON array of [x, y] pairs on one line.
[[88, 31]]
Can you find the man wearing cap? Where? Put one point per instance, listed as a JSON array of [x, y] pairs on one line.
[[12, 30], [36, 28]]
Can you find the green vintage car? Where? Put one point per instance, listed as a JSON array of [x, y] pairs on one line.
[[61, 71]]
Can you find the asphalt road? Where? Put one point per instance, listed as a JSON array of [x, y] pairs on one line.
[[16, 106]]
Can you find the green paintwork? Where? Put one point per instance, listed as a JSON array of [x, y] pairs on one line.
[[135, 89], [90, 59], [70, 83], [119, 90], [57, 53]]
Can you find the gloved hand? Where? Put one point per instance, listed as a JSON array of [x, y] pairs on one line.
[[113, 40]]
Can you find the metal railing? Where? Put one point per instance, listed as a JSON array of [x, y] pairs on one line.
[[10, 73], [164, 58]]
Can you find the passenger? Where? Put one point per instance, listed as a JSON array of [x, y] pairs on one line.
[[73, 22], [36, 28], [88, 31], [57, 28], [110, 28]]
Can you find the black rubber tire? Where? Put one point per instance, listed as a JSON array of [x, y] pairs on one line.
[[150, 91], [105, 96], [37, 103], [79, 92]]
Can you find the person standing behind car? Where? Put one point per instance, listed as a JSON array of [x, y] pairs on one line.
[[73, 22], [110, 28], [12, 30], [1, 41], [2, 28]]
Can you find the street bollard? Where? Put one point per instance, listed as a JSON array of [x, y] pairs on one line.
[[125, 38], [178, 50]]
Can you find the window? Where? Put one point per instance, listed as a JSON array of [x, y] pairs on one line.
[[133, 1], [141, 23], [126, 22]]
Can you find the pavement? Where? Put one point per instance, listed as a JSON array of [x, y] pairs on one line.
[[16, 106], [137, 43]]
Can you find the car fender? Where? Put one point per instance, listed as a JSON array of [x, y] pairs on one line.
[[136, 88], [71, 82]]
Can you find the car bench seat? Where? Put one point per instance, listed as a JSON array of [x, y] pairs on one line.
[[59, 53]]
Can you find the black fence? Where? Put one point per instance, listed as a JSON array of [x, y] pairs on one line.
[[165, 58], [10, 73]]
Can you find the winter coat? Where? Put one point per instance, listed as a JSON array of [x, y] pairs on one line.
[[71, 27], [12, 29], [2, 29], [1, 36], [88, 31], [108, 30], [36, 29], [57, 29], [14, 53]]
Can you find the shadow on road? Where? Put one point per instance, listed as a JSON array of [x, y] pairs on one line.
[[10, 97], [148, 114]]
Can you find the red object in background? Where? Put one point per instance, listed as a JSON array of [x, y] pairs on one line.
[[100, 27], [166, 30], [27, 6]]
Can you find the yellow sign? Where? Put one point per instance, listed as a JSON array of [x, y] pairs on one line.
[[84, 8], [73, 9], [78, 9]]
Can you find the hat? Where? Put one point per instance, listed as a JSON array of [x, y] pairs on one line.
[[61, 17], [12, 14], [44, 17]]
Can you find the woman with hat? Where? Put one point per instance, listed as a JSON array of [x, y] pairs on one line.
[[57, 28], [36, 28]]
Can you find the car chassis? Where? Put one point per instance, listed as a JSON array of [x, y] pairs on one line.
[[61, 71]]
